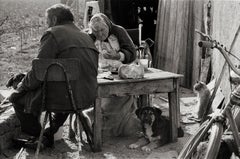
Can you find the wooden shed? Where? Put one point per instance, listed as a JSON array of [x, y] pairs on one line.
[[176, 48], [176, 41]]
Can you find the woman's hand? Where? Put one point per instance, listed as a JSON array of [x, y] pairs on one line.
[[114, 55]]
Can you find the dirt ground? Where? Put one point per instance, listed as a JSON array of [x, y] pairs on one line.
[[13, 61], [117, 147]]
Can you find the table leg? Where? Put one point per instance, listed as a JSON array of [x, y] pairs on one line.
[[143, 100], [97, 128], [174, 110]]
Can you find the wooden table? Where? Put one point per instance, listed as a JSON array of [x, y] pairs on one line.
[[154, 81]]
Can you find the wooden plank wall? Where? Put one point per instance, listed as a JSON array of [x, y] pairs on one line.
[[176, 42], [226, 20]]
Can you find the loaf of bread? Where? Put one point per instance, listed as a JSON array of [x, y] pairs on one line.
[[131, 71]]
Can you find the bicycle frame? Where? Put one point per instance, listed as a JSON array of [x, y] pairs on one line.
[[216, 123], [217, 118], [223, 51]]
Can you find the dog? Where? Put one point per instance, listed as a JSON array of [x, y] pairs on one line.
[[155, 127], [15, 80], [13, 83]]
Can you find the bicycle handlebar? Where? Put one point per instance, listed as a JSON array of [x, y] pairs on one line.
[[214, 44], [206, 44]]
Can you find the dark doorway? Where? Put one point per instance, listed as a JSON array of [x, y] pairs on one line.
[[130, 13]]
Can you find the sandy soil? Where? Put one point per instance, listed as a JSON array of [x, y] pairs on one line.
[[117, 147], [13, 61]]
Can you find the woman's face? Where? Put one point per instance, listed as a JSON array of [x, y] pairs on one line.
[[100, 30]]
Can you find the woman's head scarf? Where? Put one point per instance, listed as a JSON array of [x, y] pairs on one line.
[[100, 19]]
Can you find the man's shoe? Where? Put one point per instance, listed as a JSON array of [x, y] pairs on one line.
[[22, 139], [33, 145]]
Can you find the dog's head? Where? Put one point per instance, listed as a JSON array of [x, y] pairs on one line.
[[15, 80], [148, 115]]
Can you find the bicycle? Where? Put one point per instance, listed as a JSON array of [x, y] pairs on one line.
[[218, 120]]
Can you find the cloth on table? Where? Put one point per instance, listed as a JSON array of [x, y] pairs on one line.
[[119, 117]]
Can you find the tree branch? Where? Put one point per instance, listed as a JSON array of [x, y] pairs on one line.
[[3, 20]]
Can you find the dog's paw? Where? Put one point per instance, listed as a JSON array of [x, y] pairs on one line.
[[146, 149], [133, 146]]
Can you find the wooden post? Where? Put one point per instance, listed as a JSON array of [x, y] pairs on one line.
[[97, 131], [174, 112], [207, 19], [101, 5]]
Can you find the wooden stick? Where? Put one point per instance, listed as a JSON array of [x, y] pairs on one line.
[[19, 154]]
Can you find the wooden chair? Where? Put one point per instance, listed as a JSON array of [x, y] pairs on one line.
[[60, 72], [135, 35], [142, 46]]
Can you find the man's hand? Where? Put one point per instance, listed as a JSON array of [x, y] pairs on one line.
[[16, 94]]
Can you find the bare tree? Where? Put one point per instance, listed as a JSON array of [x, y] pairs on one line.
[[2, 21]]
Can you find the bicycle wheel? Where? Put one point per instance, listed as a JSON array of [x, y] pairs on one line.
[[191, 146], [213, 144], [194, 140], [214, 141]]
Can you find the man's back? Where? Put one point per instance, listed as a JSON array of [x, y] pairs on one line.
[[71, 43], [66, 41], [62, 40]]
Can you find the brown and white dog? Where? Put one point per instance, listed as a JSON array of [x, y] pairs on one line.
[[155, 127], [15, 80], [13, 83]]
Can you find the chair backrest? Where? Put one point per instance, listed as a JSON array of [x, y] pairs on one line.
[[55, 73], [59, 75], [134, 35]]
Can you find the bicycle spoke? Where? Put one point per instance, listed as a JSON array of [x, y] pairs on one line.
[[192, 144], [193, 148], [234, 128], [214, 141]]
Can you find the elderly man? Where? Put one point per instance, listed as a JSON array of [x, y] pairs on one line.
[[61, 40]]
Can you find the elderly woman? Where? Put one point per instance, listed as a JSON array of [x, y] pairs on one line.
[[115, 47]]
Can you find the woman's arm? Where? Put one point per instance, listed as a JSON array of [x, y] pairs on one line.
[[126, 45]]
